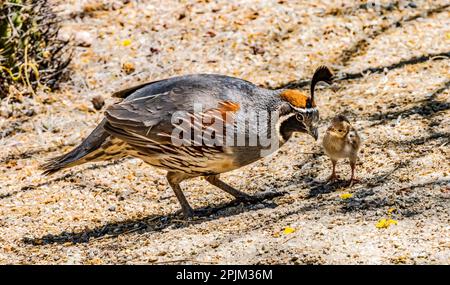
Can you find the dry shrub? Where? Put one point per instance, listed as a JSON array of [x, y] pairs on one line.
[[31, 55]]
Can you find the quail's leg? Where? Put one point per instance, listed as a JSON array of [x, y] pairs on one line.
[[352, 178], [333, 174], [174, 182], [214, 180]]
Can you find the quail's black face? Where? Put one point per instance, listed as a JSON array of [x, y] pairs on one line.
[[304, 121], [309, 121]]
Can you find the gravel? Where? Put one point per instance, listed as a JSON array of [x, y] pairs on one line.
[[123, 212]]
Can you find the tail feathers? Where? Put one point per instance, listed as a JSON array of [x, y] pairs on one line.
[[77, 155], [57, 163]]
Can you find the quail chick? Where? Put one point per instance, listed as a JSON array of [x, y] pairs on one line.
[[341, 140]]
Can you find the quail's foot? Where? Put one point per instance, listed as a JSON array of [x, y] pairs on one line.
[[245, 198], [239, 195], [193, 214], [188, 212]]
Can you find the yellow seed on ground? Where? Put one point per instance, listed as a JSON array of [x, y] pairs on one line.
[[288, 230], [390, 210], [126, 42], [345, 196], [385, 223]]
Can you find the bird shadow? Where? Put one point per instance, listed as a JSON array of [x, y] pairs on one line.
[[406, 200], [156, 223], [362, 190], [319, 188]]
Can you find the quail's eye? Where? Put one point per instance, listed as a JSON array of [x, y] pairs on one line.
[[299, 117]]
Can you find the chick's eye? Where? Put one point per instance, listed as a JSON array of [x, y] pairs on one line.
[[299, 117]]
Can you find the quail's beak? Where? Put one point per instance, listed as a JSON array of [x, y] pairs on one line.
[[314, 133]]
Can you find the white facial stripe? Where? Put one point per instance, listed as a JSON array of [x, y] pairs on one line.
[[285, 117], [306, 110]]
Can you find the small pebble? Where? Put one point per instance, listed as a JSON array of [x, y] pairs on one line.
[[98, 102]]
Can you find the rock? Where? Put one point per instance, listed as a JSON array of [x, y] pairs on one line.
[[98, 102], [128, 67], [84, 39]]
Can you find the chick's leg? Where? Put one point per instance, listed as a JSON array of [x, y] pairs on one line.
[[353, 179], [333, 175]]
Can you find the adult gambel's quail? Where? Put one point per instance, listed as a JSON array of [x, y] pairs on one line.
[[142, 125], [340, 141]]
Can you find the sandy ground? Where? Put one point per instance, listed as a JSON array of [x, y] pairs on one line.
[[123, 212]]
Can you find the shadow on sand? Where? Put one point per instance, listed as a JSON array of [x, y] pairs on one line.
[[157, 223]]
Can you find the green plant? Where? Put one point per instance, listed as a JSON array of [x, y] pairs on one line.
[[31, 55]]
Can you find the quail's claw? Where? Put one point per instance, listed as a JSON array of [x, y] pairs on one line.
[[188, 213], [248, 199]]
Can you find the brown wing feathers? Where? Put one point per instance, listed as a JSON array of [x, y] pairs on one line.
[[134, 125]]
